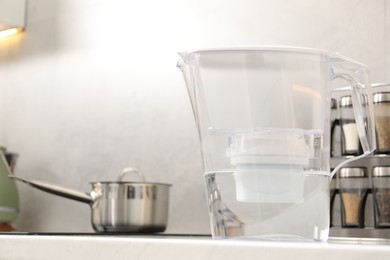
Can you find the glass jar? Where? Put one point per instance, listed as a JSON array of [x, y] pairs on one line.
[[381, 196], [350, 144], [382, 121], [333, 192], [335, 149], [353, 188]]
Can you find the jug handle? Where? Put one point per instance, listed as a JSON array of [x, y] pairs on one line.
[[360, 124]]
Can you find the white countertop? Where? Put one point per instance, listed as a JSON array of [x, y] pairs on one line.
[[170, 247]]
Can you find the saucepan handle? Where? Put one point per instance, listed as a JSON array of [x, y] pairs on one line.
[[57, 190]]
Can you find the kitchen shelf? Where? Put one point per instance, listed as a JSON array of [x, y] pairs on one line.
[[368, 162]]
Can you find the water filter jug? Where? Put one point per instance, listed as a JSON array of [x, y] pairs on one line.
[[263, 117]]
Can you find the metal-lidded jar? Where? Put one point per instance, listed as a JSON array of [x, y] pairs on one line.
[[335, 149], [333, 188], [353, 189], [350, 144], [381, 196], [382, 121]]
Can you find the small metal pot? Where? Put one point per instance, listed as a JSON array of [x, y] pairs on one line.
[[120, 206]]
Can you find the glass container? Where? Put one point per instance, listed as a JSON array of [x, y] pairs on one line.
[[350, 144], [382, 121], [353, 193], [333, 192], [335, 149], [381, 196]]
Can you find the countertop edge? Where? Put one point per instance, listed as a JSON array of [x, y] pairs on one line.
[[132, 247]]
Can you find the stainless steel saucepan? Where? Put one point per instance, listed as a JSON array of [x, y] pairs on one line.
[[119, 206]]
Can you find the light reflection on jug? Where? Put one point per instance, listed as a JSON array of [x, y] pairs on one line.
[[224, 221]]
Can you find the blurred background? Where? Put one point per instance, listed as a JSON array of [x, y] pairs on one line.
[[92, 87]]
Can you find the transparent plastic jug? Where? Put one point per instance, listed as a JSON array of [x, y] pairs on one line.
[[263, 116]]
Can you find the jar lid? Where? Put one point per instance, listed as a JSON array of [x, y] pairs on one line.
[[353, 173], [382, 171], [333, 103], [380, 97], [346, 101]]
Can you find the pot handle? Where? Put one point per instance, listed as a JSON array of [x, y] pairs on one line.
[[57, 190]]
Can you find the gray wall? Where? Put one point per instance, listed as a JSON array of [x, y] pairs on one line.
[[91, 87]]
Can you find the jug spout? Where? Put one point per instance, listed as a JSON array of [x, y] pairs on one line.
[[183, 66], [183, 54], [185, 69]]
